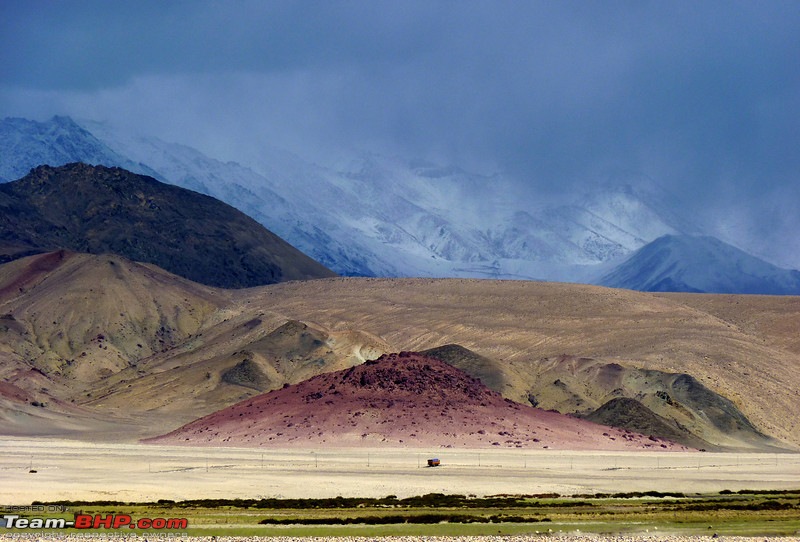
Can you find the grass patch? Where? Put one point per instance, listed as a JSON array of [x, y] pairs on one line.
[[752, 513], [397, 519]]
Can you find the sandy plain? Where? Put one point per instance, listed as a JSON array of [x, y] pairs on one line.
[[72, 470]]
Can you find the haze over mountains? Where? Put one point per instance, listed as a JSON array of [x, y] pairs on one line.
[[381, 216], [104, 345], [151, 288]]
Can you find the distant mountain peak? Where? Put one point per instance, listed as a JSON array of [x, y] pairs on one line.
[[686, 263]]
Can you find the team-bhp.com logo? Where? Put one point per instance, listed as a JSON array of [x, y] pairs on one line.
[[98, 521]]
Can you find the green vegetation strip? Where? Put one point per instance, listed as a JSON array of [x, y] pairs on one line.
[[396, 519], [750, 513]]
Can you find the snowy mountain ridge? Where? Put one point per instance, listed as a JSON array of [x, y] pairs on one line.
[[383, 216], [26, 144]]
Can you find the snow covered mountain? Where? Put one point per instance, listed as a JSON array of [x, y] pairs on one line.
[[275, 200], [437, 221], [681, 263], [383, 216], [25, 144]]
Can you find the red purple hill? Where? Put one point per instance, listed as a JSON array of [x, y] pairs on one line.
[[399, 400]]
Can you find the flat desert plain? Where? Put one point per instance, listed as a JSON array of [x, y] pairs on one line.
[[72, 470]]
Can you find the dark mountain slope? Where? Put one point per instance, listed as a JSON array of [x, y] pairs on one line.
[[98, 210], [632, 415]]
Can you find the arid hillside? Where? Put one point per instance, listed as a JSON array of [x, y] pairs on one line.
[[70, 321], [400, 400], [90, 340], [142, 346], [748, 355], [672, 405]]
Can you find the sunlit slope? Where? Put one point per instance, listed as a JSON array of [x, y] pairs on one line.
[[128, 340], [83, 318], [132, 342], [519, 323]]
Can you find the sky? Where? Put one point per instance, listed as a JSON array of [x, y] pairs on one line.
[[701, 96]]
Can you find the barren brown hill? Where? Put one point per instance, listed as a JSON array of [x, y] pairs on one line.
[[775, 320], [518, 324], [694, 413], [399, 400], [30, 403], [82, 317], [68, 321], [237, 358], [81, 326], [687, 411]]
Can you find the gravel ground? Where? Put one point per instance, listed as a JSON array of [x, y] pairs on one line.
[[34, 537]]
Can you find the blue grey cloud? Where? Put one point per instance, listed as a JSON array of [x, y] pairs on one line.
[[702, 96]]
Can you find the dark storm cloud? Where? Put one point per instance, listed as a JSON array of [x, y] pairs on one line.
[[89, 45], [702, 96]]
